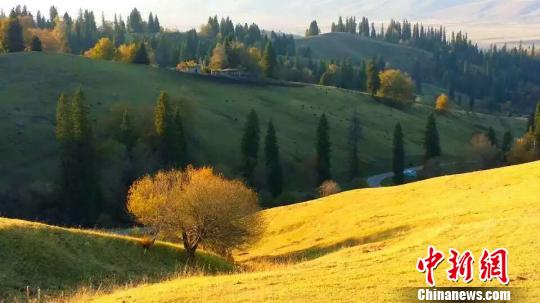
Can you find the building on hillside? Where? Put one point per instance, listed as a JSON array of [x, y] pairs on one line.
[[230, 73], [189, 67]]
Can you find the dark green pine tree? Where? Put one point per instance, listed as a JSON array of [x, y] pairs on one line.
[[180, 141], [63, 120], [508, 142], [432, 145], [537, 124], [127, 134], [355, 132], [86, 204], [492, 136], [269, 61], [372, 78], [35, 45], [163, 126], [274, 174], [323, 151], [417, 76], [250, 147], [64, 139], [14, 41], [141, 56], [399, 156]]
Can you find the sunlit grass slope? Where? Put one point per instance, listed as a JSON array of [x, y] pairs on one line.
[[30, 84], [57, 259], [362, 246]]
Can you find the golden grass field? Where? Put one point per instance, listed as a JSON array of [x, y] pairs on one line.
[[362, 246]]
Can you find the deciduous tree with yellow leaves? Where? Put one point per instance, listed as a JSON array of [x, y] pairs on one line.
[[199, 207], [103, 50], [442, 104], [396, 85]]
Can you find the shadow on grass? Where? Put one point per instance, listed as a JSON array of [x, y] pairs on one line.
[[319, 251]]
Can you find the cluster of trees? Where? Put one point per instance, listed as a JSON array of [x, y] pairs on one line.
[[77, 35], [498, 75], [127, 53]]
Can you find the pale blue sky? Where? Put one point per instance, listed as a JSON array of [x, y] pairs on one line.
[[479, 17]]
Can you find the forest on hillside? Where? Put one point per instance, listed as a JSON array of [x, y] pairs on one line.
[[499, 79]]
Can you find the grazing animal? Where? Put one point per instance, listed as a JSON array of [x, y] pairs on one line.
[[147, 242]]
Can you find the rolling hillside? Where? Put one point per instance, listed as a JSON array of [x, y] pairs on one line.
[[355, 47], [56, 260], [362, 246], [217, 110]]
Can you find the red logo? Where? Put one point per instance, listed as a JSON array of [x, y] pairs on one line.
[[462, 266], [429, 264], [492, 265]]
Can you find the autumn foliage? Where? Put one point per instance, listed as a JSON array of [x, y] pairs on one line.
[[396, 86], [199, 207], [442, 104]]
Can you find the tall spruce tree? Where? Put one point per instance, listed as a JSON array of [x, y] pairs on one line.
[[79, 185], [164, 130], [372, 77], [180, 141], [398, 155], [141, 56], [274, 174], [492, 136], [127, 134], [508, 142], [14, 41], [323, 146], [36, 45], [250, 147], [536, 128], [355, 132], [432, 145], [269, 60]]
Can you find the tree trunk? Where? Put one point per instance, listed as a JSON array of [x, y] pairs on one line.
[[190, 248]]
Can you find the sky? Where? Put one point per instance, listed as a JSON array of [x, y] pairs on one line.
[[179, 14], [484, 19]]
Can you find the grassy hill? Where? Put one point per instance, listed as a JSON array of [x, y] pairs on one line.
[[356, 47], [362, 246], [31, 83], [56, 259]]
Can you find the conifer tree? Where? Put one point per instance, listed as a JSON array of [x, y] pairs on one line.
[[141, 56], [83, 196], [355, 132], [250, 147], [417, 76], [492, 136], [399, 156], [323, 151], [313, 29], [372, 78], [63, 119], [14, 41], [127, 134], [274, 174], [508, 141], [180, 141], [269, 60], [431, 139], [35, 45], [536, 127], [164, 129]]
